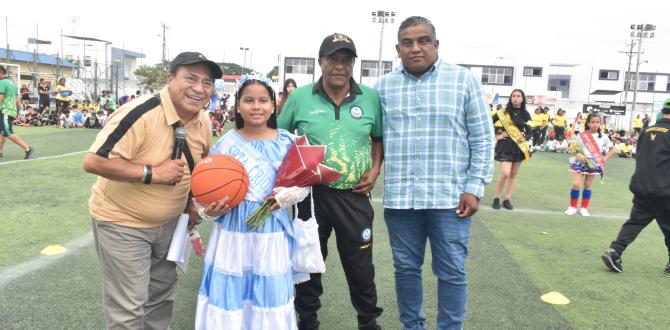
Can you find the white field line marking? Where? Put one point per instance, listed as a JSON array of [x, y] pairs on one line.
[[20, 270], [46, 157], [40, 262], [488, 209]]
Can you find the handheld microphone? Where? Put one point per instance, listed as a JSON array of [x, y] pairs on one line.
[[180, 134]]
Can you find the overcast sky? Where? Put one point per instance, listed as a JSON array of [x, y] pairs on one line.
[[470, 31]]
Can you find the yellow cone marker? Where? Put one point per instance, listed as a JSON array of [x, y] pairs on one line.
[[53, 248], [555, 298]]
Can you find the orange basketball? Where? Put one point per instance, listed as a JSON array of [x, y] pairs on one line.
[[218, 176]]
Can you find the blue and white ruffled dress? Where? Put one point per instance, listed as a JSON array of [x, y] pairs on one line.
[[603, 142], [247, 280]]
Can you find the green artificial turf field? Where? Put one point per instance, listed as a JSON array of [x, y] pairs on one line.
[[515, 256]]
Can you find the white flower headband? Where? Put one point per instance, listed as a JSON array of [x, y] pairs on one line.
[[247, 78]]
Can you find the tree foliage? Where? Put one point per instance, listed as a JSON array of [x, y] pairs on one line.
[[274, 73], [233, 68], [153, 76]]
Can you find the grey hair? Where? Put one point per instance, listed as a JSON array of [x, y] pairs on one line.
[[417, 20]]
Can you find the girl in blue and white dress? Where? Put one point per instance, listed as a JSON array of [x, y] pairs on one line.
[[593, 144], [247, 280]]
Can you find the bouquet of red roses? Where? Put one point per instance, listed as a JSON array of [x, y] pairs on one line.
[[301, 168]]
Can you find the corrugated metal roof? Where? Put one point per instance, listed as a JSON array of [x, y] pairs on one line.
[[18, 55]]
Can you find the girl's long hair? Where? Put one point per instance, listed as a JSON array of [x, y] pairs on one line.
[[588, 119], [523, 100], [285, 91]]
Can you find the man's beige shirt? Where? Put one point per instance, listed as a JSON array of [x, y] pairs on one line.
[[142, 133]]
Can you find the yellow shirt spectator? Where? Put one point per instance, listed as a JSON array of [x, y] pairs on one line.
[[537, 119], [497, 123], [545, 119], [63, 93], [559, 121], [582, 122], [637, 122]]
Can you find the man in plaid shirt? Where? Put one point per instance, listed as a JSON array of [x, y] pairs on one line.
[[438, 153]]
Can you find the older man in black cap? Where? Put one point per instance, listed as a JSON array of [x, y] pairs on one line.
[[346, 117], [650, 186], [141, 191]]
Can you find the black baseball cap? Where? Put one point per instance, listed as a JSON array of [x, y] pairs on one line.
[[335, 42], [189, 58]]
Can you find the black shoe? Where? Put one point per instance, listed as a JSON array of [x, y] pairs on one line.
[[507, 204], [496, 203], [667, 269], [29, 152], [612, 260], [1, 155]]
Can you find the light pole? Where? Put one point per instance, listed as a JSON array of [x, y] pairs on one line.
[[640, 31], [83, 67], [245, 49], [382, 17], [108, 68], [629, 54]]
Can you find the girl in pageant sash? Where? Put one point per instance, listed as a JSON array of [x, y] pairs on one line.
[[511, 146], [247, 280], [587, 162]]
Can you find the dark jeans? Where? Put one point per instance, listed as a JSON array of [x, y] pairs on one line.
[[350, 215], [645, 209], [44, 100], [560, 133], [543, 135], [537, 136]]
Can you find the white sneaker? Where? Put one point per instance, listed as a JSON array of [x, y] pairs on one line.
[[584, 212], [571, 211]]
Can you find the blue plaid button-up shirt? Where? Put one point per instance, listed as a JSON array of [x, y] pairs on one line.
[[438, 137]]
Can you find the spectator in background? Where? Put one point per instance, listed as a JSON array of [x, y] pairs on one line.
[[101, 117], [545, 125], [23, 117], [87, 118], [110, 103], [637, 124], [8, 112], [25, 96], [63, 93], [625, 149], [226, 97], [645, 122], [62, 119], [44, 91], [579, 123], [289, 86], [78, 117], [537, 119], [47, 118], [559, 122]]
